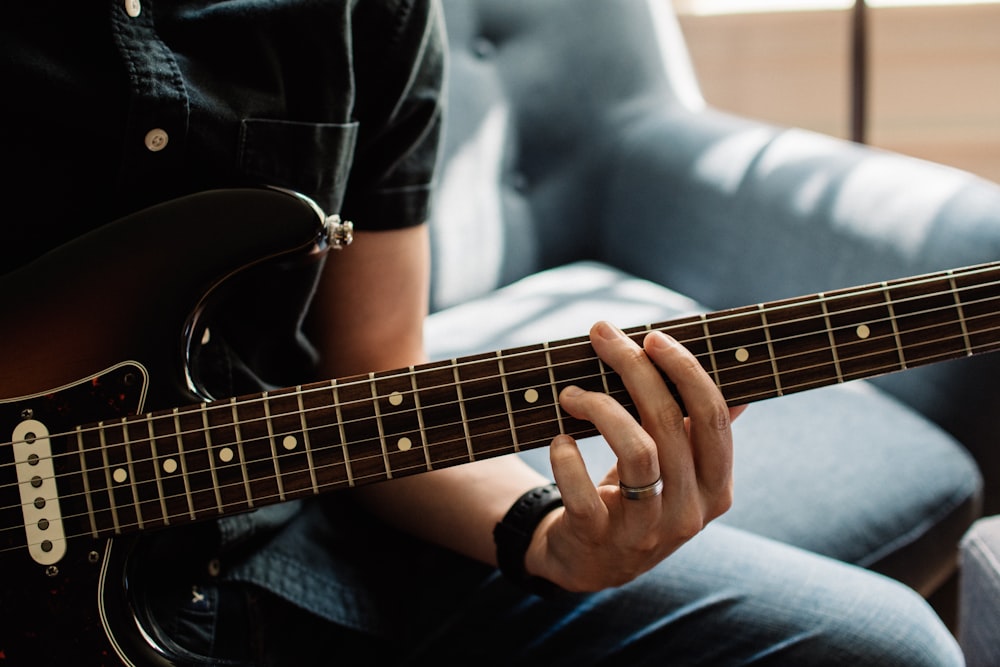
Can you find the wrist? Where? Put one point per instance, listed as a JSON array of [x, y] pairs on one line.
[[513, 536]]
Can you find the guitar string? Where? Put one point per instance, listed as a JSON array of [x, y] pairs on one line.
[[242, 505], [238, 506], [324, 387], [266, 499], [949, 307]]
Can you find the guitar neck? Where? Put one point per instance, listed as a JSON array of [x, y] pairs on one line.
[[234, 455]]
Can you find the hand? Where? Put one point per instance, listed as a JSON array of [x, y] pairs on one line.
[[602, 539]]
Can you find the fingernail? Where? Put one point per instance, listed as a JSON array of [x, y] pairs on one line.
[[659, 339], [607, 331], [572, 390]]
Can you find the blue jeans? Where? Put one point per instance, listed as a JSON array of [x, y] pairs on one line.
[[726, 598]]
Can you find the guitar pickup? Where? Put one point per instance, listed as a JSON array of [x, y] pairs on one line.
[[43, 524]]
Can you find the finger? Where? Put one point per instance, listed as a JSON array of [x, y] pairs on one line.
[[661, 416], [709, 418], [580, 498], [638, 462]]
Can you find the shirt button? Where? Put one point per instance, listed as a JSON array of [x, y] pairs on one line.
[[156, 139], [133, 7]]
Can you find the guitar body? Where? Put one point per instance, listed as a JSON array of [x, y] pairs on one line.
[[116, 343]]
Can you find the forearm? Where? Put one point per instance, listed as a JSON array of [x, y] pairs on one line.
[[438, 506]]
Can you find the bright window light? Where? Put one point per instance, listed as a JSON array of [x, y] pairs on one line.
[[752, 6]]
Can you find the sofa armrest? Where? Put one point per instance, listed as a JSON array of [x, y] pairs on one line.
[[733, 212]]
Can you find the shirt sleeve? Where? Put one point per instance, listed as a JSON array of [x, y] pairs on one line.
[[400, 107]]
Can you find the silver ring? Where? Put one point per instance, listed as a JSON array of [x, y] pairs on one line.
[[640, 492]]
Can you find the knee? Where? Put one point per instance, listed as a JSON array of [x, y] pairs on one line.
[[891, 625]]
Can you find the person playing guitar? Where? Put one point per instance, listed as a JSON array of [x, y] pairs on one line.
[[197, 160]]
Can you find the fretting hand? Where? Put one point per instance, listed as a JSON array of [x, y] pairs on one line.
[[673, 476]]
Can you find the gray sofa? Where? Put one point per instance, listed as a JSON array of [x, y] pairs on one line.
[[585, 178]]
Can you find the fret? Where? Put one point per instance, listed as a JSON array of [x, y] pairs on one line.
[[289, 443], [275, 466], [85, 480], [573, 362], [130, 474], [169, 466], [961, 313], [830, 337], [306, 441], [322, 428], [534, 410], [360, 426], [770, 349], [895, 325], [421, 426], [864, 337], [692, 333], [343, 434], [378, 424], [554, 389], [928, 321], [461, 409], [241, 457], [802, 346], [713, 366], [186, 464], [109, 481], [154, 458], [605, 372], [255, 451], [403, 442], [505, 388], [225, 459], [484, 406], [979, 295], [444, 422], [742, 356], [142, 474]]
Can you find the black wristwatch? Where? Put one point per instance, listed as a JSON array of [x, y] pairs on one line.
[[513, 535]]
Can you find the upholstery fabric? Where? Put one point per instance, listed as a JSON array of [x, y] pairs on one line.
[[979, 609]]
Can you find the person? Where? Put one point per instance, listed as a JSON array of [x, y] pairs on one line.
[[118, 106]]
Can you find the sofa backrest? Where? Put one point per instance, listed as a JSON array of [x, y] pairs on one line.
[[536, 91]]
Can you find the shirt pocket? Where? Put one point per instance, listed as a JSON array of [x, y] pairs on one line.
[[313, 159]]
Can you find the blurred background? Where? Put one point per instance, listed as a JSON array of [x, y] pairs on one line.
[[919, 77]]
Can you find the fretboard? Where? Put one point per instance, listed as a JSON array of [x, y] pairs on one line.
[[231, 456]]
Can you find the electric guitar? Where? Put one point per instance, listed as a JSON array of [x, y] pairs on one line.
[[106, 435]]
